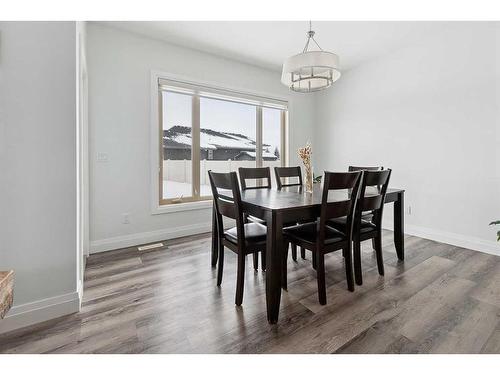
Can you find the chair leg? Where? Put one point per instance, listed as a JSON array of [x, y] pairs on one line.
[[284, 276], [220, 264], [348, 268], [215, 240], [215, 251], [263, 260], [374, 245], [303, 253], [314, 260], [378, 250], [255, 261], [240, 280], [320, 274], [357, 263], [294, 252]]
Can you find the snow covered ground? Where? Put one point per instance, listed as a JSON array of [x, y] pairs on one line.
[[174, 189]]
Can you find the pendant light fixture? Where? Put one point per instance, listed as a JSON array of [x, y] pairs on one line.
[[310, 70]]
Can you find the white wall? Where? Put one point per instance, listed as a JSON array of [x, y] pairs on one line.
[[430, 111], [38, 169], [120, 65]]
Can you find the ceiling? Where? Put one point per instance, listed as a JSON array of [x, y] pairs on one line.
[[268, 43]]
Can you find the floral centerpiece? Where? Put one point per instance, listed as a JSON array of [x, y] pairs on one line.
[[305, 154]]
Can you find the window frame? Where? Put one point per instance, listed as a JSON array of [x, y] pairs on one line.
[[199, 89]]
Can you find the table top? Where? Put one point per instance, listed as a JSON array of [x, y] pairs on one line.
[[296, 197]]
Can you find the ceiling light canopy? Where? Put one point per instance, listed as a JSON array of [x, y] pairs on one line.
[[310, 70]]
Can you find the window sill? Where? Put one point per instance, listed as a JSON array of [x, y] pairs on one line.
[[179, 207]]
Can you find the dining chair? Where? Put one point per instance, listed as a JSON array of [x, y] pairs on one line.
[[287, 172], [367, 215], [355, 168], [257, 174], [371, 198], [244, 238], [319, 238], [263, 173], [290, 172]]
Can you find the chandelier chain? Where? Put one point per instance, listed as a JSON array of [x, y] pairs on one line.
[[314, 40], [310, 35]]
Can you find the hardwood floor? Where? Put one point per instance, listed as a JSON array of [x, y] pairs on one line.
[[441, 299]]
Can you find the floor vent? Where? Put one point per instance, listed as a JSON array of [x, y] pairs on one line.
[[150, 247]]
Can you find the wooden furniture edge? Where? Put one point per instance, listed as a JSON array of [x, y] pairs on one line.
[[6, 292]]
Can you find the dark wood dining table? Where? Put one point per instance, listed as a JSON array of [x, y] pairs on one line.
[[291, 204]]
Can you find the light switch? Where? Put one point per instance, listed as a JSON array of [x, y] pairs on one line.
[[102, 157]]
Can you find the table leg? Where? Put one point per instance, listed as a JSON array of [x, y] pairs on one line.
[[274, 262], [215, 247], [399, 217]]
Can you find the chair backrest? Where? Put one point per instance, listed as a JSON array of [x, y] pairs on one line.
[[253, 174], [354, 168], [374, 200], [228, 201], [348, 181], [284, 172]]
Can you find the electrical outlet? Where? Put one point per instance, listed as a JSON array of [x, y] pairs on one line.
[[408, 210], [126, 218]]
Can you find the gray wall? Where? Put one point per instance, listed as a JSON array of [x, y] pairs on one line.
[[38, 168]]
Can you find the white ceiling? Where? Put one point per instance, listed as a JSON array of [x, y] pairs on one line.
[[268, 43]]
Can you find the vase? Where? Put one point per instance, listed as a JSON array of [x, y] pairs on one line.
[[309, 178]]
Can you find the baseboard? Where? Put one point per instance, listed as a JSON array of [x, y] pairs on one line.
[[473, 243], [39, 311], [135, 239]]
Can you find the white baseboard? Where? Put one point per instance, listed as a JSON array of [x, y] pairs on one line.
[[39, 311], [473, 243], [135, 239]]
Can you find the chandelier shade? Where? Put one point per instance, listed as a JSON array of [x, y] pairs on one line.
[[310, 70]]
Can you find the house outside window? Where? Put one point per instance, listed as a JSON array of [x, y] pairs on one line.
[[204, 128]]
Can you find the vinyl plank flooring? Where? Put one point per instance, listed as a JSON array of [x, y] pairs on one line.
[[492, 346], [340, 322], [488, 290], [473, 330], [441, 299]]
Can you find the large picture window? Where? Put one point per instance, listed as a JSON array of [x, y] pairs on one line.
[[204, 128]]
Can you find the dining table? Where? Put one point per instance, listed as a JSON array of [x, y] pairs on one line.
[[294, 204]]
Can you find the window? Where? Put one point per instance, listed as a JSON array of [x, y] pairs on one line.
[[272, 139], [204, 128], [177, 146]]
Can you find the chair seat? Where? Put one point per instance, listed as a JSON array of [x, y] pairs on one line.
[[308, 233], [256, 220], [263, 222], [368, 216], [255, 233], [341, 223], [305, 221]]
